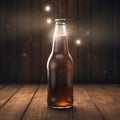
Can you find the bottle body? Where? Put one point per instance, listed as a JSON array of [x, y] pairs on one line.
[[60, 75]]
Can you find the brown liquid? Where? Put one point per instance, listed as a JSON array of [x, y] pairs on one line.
[[60, 76]]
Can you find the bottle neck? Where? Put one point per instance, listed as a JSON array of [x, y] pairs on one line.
[[60, 44]]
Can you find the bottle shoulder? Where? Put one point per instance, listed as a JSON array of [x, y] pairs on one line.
[[60, 60], [59, 57]]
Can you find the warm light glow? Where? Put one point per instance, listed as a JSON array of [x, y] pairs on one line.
[[47, 8], [78, 42], [63, 104], [88, 33], [49, 21]]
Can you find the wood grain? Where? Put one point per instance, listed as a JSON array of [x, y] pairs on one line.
[[16, 106], [2, 42], [24, 40], [102, 41], [71, 23], [1, 86], [36, 42], [62, 8], [83, 33], [108, 107], [91, 102], [112, 90], [10, 41], [7, 92], [83, 106], [116, 29], [38, 109]]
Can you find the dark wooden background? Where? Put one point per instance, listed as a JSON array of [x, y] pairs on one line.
[[26, 39]]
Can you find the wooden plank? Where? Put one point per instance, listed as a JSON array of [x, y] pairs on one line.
[[108, 107], [71, 24], [24, 41], [115, 36], [2, 42], [95, 24], [38, 109], [7, 41], [36, 42], [113, 90], [107, 45], [7, 92], [118, 42], [83, 33], [83, 108], [102, 37], [37, 106], [116, 29], [2, 85], [62, 8], [15, 108], [44, 40], [10, 41]]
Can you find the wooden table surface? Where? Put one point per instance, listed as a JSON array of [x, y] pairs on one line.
[[28, 102]]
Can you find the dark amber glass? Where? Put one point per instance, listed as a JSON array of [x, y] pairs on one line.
[[60, 72]]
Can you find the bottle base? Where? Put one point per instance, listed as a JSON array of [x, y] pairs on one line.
[[60, 108]]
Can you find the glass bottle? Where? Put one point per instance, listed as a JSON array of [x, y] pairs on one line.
[[60, 70]]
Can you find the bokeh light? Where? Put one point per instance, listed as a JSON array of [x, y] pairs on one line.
[[47, 8], [49, 21], [87, 32], [78, 42]]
